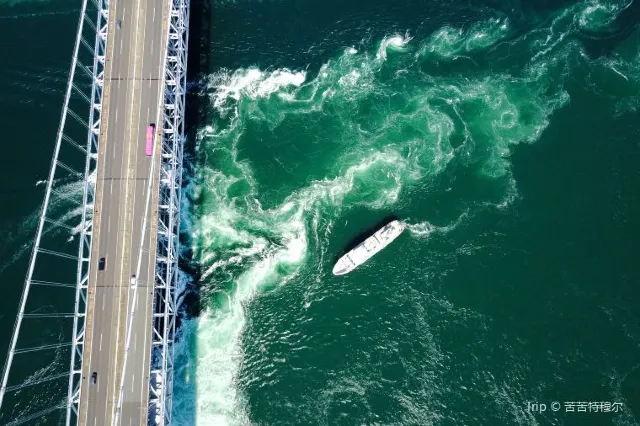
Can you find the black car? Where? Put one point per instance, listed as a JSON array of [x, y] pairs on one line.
[[94, 378], [102, 264]]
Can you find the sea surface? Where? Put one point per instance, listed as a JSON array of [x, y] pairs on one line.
[[505, 134], [36, 43]]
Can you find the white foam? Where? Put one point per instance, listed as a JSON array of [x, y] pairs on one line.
[[589, 15], [510, 196], [251, 247], [219, 328], [183, 281], [425, 229], [597, 14], [350, 79], [252, 83], [279, 79], [450, 42], [421, 229], [396, 43], [230, 233]]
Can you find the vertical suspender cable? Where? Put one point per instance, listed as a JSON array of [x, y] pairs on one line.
[[45, 205]]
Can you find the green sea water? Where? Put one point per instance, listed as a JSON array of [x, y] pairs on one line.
[[36, 42], [504, 134]]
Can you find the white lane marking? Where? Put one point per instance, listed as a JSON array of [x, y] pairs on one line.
[[95, 421], [99, 164], [135, 342], [150, 265], [113, 360], [103, 299], [135, 183], [150, 272], [101, 335], [153, 19], [116, 115], [134, 74], [121, 41]]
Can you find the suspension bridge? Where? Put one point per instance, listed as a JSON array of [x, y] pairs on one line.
[[93, 339]]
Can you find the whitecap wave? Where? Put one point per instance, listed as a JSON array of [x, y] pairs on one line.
[[450, 43], [597, 14], [395, 43], [251, 83], [390, 131]]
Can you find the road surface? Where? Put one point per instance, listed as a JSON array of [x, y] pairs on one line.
[[132, 99]]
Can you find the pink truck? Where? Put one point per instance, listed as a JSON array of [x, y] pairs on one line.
[[149, 147]]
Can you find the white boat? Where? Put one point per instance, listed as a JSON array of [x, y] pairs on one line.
[[365, 250]]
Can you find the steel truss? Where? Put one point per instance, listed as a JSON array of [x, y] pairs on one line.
[[170, 183], [167, 253], [88, 201], [90, 79]]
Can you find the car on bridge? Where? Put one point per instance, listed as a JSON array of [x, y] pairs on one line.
[[148, 149]]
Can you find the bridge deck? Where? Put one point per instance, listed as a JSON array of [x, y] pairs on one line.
[[133, 96]]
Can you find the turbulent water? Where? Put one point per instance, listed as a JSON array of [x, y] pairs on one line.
[[503, 133], [489, 301]]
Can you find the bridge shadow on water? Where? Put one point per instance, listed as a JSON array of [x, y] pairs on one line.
[[198, 66]]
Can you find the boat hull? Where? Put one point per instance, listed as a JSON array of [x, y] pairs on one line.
[[368, 248]]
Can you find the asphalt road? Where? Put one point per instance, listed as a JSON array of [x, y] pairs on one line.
[[132, 100]]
